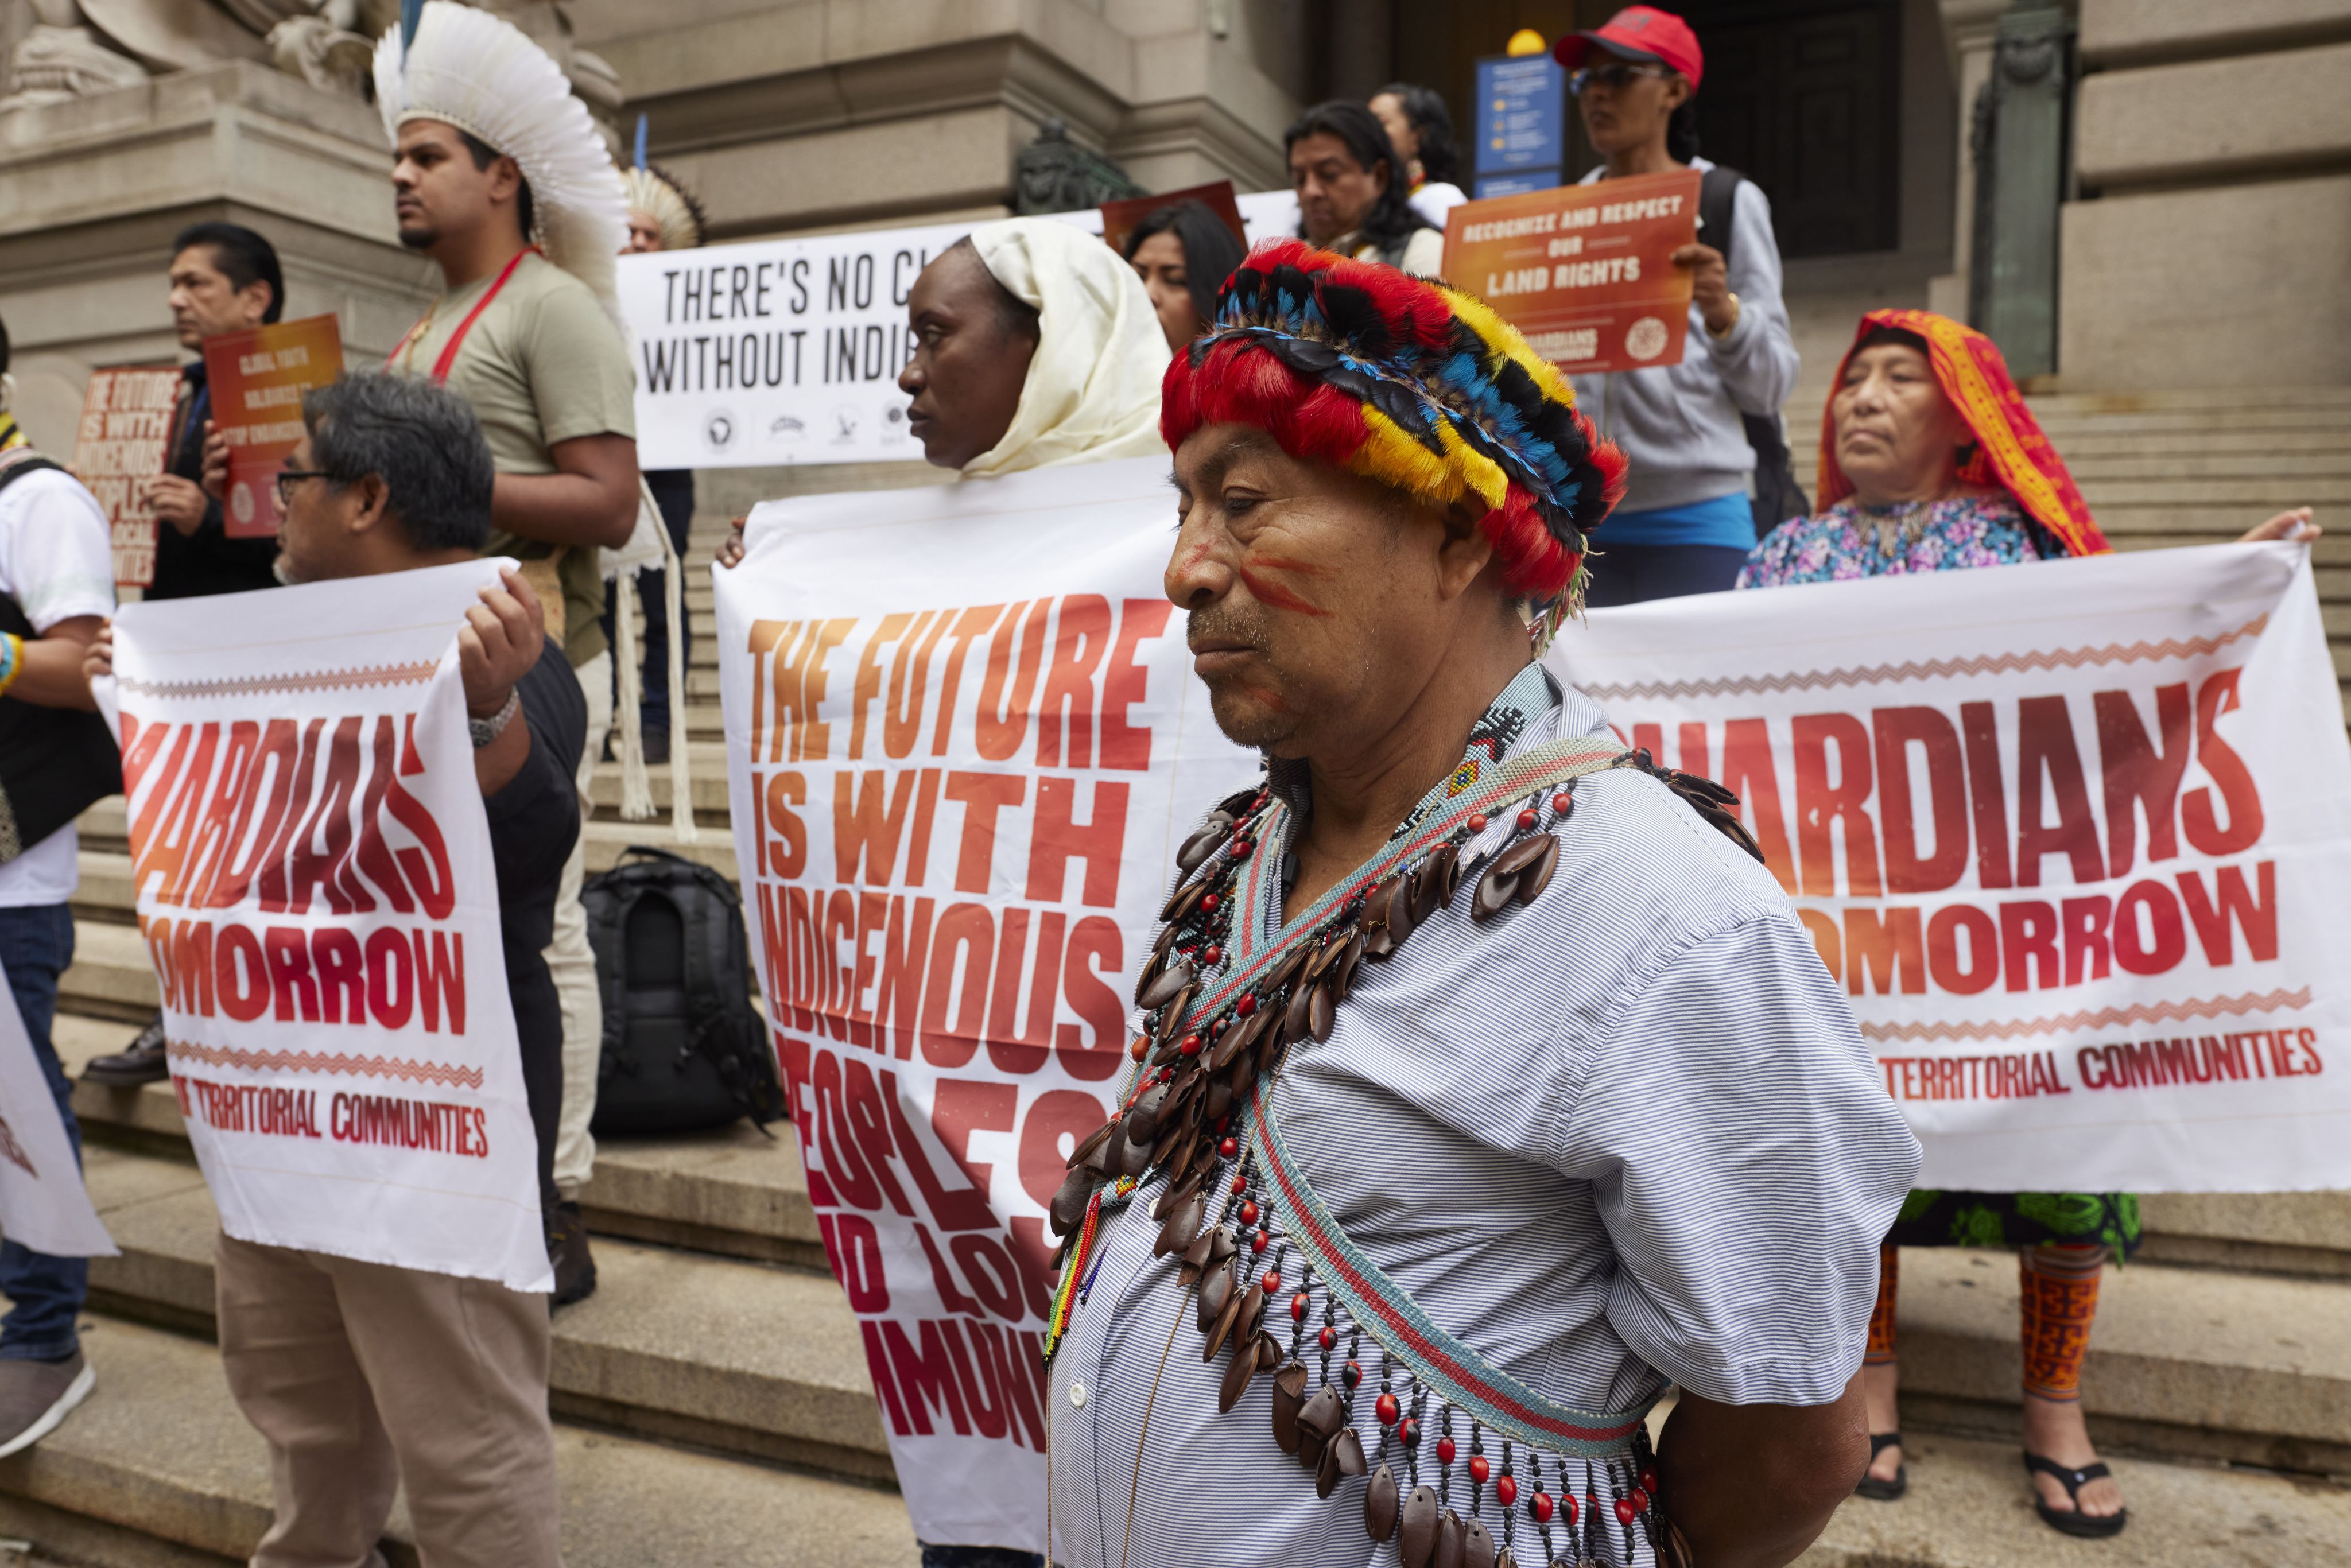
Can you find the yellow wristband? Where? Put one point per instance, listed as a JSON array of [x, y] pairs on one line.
[[12, 659]]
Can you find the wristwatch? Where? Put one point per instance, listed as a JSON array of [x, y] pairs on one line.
[[487, 730]]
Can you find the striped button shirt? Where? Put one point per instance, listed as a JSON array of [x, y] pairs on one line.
[[1623, 1137]]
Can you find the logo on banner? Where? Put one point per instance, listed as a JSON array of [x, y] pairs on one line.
[[718, 430], [1646, 338]]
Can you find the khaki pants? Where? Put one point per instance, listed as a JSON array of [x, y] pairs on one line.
[[574, 965], [362, 1376]]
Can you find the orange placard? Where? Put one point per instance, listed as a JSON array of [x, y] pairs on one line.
[[1584, 271], [257, 380], [122, 443], [1120, 217]]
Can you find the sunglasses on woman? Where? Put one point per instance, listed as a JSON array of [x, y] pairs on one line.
[[1615, 74]]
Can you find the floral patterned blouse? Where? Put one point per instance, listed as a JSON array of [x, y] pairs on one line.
[[1850, 540]]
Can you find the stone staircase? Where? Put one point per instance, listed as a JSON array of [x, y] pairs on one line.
[[712, 1399]]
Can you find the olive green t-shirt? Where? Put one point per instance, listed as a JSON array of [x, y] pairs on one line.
[[544, 363]]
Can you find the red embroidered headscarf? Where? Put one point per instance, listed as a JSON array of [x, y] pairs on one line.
[[2010, 450]]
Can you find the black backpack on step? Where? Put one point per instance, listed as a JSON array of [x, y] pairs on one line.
[[684, 1048]]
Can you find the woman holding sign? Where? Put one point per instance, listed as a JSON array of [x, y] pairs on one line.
[[1686, 523], [1930, 461]]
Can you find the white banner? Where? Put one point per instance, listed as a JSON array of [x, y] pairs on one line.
[[43, 1203], [2076, 838], [781, 351], [962, 744], [312, 864]]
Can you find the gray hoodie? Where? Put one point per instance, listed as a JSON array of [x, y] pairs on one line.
[[1680, 423]]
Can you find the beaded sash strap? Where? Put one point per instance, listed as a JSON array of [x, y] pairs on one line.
[[1445, 1365], [1222, 1012]]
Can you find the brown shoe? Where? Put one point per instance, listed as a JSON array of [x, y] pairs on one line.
[[142, 1061], [34, 1396], [567, 1249]]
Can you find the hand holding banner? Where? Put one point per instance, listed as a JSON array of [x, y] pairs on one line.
[[1585, 271], [963, 743], [311, 861], [2076, 838], [43, 1203]]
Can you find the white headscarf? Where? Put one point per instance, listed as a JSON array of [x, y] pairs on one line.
[[1093, 392]]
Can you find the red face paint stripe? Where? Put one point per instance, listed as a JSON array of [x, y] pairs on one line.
[[1274, 596]]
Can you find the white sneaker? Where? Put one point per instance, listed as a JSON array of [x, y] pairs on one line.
[[35, 1395]]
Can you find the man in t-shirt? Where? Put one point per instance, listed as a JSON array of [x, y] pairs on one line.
[[57, 587], [224, 278], [527, 334]]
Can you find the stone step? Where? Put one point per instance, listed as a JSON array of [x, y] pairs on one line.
[[754, 1360], [706, 769], [2194, 399], [158, 1467], [2166, 462], [733, 1191], [2256, 497], [2236, 1368], [713, 848], [1970, 1506], [2095, 440], [2306, 1233], [109, 977]]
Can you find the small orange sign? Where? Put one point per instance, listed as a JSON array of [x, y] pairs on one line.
[[1120, 217], [1584, 271], [126, 428], [257, 380]]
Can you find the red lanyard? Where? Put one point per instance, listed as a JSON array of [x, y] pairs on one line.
[[442, 366]]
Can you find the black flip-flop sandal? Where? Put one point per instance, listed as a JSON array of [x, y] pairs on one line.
[[2072, 1520], [1874, 1487]]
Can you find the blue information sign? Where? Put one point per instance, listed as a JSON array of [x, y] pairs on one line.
[[1515, 184], [1519, 113]]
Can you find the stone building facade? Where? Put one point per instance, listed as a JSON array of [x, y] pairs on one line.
[[2205, 231]]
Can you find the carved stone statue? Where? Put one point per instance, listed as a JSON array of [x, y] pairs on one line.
[[81, 46], [1054, 174]]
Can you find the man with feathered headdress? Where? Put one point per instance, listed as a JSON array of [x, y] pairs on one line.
[[662, 215], [501, 178]]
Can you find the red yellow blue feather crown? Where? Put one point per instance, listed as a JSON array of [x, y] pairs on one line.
[[1413, 383]]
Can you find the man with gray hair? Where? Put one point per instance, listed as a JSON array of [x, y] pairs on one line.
[[364, 1375]]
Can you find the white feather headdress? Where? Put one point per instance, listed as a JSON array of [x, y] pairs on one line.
[[673, 209], [479, 73]]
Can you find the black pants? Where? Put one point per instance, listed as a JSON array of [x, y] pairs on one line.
[[1635, 574], [672, 491]]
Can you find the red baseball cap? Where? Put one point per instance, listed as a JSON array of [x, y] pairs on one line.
[[1643, 32]]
